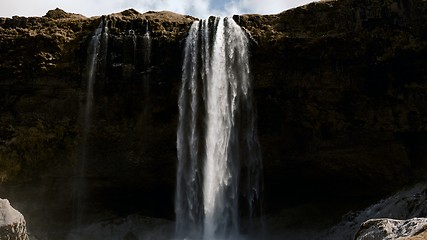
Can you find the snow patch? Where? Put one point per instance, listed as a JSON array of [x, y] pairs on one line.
[[9, 215], [12, 222]]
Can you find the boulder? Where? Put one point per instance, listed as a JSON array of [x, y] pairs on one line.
[[385, 228], [12, 222], [376, 220]]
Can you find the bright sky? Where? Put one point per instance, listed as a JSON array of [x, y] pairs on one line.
[[197, 8]]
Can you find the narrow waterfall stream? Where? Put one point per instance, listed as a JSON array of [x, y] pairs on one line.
[[95, 58], [147, 41], [219, 163], [147, 44]]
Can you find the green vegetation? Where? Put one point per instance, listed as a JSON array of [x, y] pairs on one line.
[[31, 150]]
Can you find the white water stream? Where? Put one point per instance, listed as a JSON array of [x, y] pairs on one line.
[[218, 152]]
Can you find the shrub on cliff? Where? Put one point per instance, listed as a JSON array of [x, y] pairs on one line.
[[32, 150]]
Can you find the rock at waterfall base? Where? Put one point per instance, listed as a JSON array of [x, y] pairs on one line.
[[385, 228], [12, 222]]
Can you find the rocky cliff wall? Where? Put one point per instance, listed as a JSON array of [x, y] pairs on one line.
[[341, 95], [132, 142], [340, 92]]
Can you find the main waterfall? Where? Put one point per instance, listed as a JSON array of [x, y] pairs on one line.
[[219, 164]]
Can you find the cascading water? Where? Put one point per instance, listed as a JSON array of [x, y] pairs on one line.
[[133, 37], [219, 160], [147, 64], [147, 45], [95, 50]]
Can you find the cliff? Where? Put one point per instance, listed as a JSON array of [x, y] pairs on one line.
[[133, 139], [340, 92], [339, 85]]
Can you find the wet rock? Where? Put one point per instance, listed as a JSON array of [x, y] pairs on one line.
[[388, 229], [376, 221]]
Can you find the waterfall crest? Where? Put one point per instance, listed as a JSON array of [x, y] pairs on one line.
[[219, 163]]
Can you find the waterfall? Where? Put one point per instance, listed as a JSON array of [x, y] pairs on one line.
[[96, 56], [147, 45], [147, 65], [219, 161], [133, 37]]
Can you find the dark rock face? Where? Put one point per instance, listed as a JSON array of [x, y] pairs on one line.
[[131, 227], [132, 142], [340, 92], [339, 85]]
